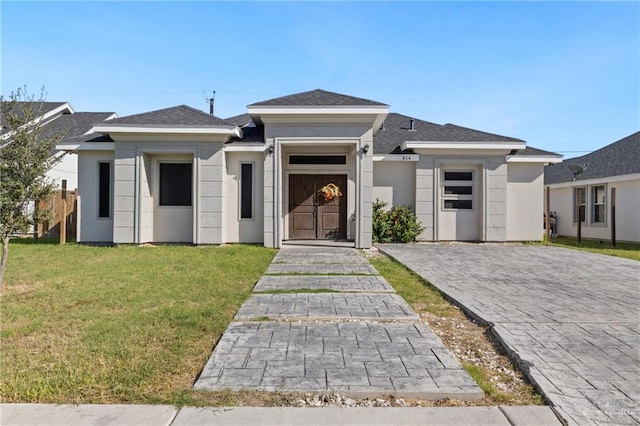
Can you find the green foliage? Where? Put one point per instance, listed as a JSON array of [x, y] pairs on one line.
[[398, 225], [25, 158]]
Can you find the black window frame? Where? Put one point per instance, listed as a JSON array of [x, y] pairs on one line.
[[246, 191], [105, 192], [178, 194]]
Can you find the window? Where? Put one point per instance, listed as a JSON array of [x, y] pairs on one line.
[[579, 206], [598, 201], [467, 176], [317, 159], [246, 191], [175, 184], [457, 190], [104, 190]]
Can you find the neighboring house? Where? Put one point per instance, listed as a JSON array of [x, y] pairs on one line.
[[181, 175], [60, 118], [614, 166]]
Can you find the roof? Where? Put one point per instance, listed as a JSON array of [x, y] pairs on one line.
[[529, 150], [619, 158], [318, 97], [180, 115], [75, 124], [239, 120], [397, 129], [42, 109]]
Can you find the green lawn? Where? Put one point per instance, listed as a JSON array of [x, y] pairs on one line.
[[87, 324], [626, 250]]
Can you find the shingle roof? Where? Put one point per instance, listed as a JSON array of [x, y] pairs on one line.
[[43, 108], [181, 115], [529, 150], [75, 124], [239, 120], [396, 130], [318, 97], [619, 158]]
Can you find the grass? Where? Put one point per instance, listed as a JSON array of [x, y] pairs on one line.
[[87, 324], [626, 250]]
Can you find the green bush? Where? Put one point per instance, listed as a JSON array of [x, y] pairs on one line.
[[398, 225]]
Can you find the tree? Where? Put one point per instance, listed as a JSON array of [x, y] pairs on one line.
[[26, 155]]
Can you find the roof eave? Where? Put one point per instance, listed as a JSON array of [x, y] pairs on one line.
[[159, 129], [467, 145], [546, 159]]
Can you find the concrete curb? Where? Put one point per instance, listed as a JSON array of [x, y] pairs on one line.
[[123, 415]]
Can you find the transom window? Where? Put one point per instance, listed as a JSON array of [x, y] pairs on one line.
[[317, 159], [175, 184]]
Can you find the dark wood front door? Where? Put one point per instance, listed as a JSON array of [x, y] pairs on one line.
[[310, 215]]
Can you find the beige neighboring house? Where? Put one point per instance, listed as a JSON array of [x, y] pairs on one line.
[[181, 175], [615, 166]]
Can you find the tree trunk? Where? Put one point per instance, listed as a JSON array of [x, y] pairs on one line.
[[3, 262]]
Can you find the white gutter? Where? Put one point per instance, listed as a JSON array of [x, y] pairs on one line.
[[462, 145], [185, 130], [87, 146], [245, 148], [533, 159]]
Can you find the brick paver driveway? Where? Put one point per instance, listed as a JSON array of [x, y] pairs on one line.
[[571, 319]]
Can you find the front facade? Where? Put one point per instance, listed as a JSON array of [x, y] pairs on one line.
[[302, 167], [587, 192]]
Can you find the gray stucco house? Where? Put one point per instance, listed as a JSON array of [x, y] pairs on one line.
[[301, 167]]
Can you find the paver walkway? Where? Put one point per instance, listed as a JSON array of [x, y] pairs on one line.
[[571, 318], [360, 339]]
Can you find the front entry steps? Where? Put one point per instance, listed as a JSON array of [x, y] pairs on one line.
[[349, 334]]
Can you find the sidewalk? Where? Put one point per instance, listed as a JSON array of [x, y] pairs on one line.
[[161, 415]]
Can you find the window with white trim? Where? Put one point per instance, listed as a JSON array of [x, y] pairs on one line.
[[581, 205], [246, 191], [598, 203]]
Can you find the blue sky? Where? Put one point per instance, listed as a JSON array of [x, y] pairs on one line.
[[563, 76]]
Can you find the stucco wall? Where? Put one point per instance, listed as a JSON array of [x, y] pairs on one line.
[[91, 228], [244, 230], [627, 210], [135, 161], [395, 182], [525, 201], [492, 202]]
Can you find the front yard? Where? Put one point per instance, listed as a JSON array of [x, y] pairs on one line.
[[117, 324]]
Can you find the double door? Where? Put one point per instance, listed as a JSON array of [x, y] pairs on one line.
[[313, 216]]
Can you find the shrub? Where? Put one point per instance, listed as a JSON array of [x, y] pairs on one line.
[[398, 225]]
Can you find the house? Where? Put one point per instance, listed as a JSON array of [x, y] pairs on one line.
[[59, 118], [594, 177], [305, 166]]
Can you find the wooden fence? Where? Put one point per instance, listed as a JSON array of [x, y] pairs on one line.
[[55, 205]]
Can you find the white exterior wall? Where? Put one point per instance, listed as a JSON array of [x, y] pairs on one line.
[[496, 199], [492, 191], [627, 209], [67, 169], [525, 202], [134, 188], [244, 230], [395, 182], [91, 228]]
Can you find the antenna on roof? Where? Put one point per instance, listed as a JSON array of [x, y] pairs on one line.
[[577, 169], [211, 101]]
